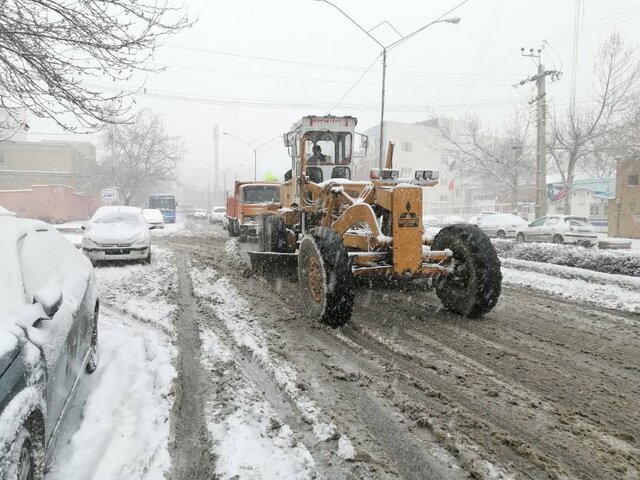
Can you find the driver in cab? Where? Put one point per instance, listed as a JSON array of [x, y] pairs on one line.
[[317, 156]]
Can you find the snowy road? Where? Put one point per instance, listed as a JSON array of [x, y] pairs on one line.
[[220, 369]]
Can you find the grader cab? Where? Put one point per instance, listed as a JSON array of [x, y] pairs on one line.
[[337, 228]]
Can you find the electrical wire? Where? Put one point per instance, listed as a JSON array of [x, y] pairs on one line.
[[354, 84]]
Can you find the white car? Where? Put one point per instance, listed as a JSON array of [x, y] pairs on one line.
[[117, 233], [200, 214], [217, 215], [501, 225], [153, 217], [452, 220], [559, 229], [476, 218], [72, 231]]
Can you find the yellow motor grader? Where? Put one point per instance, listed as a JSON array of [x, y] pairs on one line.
[[338, 228]]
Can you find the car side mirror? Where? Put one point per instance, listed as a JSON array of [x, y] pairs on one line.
[[50, 299]]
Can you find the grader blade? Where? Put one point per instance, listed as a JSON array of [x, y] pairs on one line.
[[274, 264]]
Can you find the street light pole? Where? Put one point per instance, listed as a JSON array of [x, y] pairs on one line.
[[255, 150], [385, 48], [384, 80]]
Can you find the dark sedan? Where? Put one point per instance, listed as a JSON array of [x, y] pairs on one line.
[[48, 339]]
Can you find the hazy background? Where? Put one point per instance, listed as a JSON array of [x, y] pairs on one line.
[[255, 66]]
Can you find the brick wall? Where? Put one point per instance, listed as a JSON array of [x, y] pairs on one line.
[[51, 203], [624, 210]]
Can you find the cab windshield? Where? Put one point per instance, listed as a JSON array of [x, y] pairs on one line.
[[328, 148], [261, 194]]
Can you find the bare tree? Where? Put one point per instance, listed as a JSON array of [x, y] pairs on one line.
[[582, 136], [500, 157], [140, 156], [51, 50]]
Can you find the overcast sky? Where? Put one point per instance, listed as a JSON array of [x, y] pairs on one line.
[[256, 66]]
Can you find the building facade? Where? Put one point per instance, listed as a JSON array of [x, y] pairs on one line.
[[624, 209], [23, 164], [420, 146]]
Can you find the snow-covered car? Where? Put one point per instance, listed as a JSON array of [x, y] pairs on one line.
[[430, 220], [6, 213], [200, 214], [117, 233], [559, 229], [473, 220], [217, 214], [48, 338], [501, 225], [452, 220], [153, 217], [72, 231]]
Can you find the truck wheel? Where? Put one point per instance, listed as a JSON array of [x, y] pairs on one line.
[[324, 273], [272, 236], [473, 287], [233, 228]]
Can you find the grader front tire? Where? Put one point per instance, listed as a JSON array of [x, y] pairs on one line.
[[473, 288], [324, 273]]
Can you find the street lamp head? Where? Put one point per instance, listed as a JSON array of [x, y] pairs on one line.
[[454, 20]]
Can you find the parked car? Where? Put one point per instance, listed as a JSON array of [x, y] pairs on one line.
[[153, 217], [200, 214], [473, 220], [430, 220], [72, 231], [217, 214], [48, 339], [501, 225], [117, 233], [452, 220], [559, 229]]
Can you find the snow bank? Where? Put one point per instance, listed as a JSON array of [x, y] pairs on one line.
[[124, 433], [606, 261], [603, 290]]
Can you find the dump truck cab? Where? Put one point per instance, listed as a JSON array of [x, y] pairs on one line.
[[248, 202]]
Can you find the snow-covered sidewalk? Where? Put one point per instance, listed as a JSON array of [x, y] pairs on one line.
[[601, 289], [118, 425], [125, 406]]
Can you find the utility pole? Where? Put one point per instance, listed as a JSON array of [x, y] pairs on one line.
[[541, 130], [216, 138]]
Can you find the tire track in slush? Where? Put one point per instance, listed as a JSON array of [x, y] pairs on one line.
[[191, 449]]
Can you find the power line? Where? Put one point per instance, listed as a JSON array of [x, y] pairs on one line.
[[354, 85]]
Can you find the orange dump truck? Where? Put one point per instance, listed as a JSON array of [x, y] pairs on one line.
[[248, 202]]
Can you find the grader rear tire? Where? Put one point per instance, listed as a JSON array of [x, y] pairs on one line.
[[474, 286], [324, 273]]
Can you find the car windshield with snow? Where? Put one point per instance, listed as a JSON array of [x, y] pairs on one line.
[[48, 339]]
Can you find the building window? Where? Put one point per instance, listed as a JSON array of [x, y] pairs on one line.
[[633, 180], [405, 171], [406, 146]]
